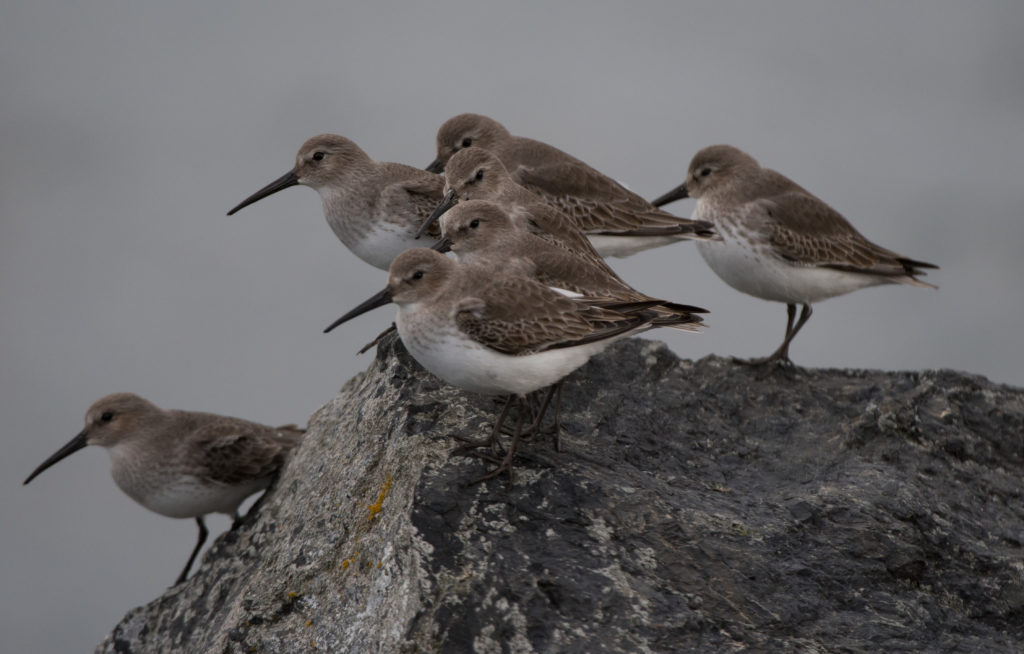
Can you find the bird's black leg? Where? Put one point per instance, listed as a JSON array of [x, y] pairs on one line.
[[203, 533], [781, 355], [472, 446], [506, 463]]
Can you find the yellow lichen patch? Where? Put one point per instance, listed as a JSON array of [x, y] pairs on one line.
[[292, 594], [375, 508], [344, 564], [309, 623], [379, 564]]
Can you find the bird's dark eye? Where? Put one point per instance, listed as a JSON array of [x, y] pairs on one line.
[[705, 172], [318, 156], [473, 224], [480, 174], [466, 142], [107, 416], [418, 274]]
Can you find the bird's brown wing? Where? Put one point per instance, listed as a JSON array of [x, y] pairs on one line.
[[807, 231], [599, 204], [418, 188], [538, 319], [236, 451]]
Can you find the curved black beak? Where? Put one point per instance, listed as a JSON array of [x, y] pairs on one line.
[[436, 166], [378, 300], [279, 184], [76, 443], [447, 202], [678, 193]]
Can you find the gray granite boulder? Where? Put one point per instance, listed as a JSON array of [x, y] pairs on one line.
[[695, 507]]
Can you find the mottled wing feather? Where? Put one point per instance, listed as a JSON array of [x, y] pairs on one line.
[[807, 231], [540, 319], [594, 201], [558, 229], [418, 188], [237, 451]]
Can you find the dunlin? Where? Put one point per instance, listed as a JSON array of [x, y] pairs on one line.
[[476, 174], [483, 233], [780, 242], [618, 221], [181, 464], [496, 334], [374, 208]]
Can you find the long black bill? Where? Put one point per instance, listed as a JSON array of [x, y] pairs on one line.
[[279, 184], [447, 202], [678, 193], [378, 300], [442, 246], [436, 166], [76, 443]]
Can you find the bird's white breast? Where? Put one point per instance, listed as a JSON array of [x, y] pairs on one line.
[[372, 236], [608, 245], [745, 260], [443, 350], [168, 487]]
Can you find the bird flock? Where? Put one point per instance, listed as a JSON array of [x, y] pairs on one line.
[[496, 261]]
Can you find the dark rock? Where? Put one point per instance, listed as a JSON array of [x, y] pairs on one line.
[[697, 506]]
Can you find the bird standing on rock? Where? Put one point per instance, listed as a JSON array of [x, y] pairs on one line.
[[780, 242], [182, 464], [497, 334]]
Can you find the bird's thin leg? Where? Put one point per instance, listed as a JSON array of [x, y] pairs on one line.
[[203, 533], [506, 463], [541, 411], [538, 417], [380, 337], [471, 446], [781, 355], [790, 315], [558, 416]]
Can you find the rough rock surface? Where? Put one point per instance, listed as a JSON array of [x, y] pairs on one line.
[[696, 506]]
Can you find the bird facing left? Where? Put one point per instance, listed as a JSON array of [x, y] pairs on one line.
[[182, 464]]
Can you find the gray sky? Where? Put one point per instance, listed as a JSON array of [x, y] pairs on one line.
[[127, 131]]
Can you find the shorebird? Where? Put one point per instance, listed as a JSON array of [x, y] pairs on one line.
[[476, 174], [181, 464], [618, 222], [374, 208], [780, 242], [496, 334], [482, 232]]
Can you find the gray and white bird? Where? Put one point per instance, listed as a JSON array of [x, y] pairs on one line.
[[493, 333], [375, 208], [181, 464], [779, 242]]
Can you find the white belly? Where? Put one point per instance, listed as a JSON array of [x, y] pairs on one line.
[[189, 497], [382, 243], [754, 270], [476, 368], [625, 246]]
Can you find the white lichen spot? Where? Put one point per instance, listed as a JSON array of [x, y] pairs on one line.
[[645, 558], [599, 530]]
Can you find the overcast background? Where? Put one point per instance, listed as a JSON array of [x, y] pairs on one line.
[[127, 131]]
